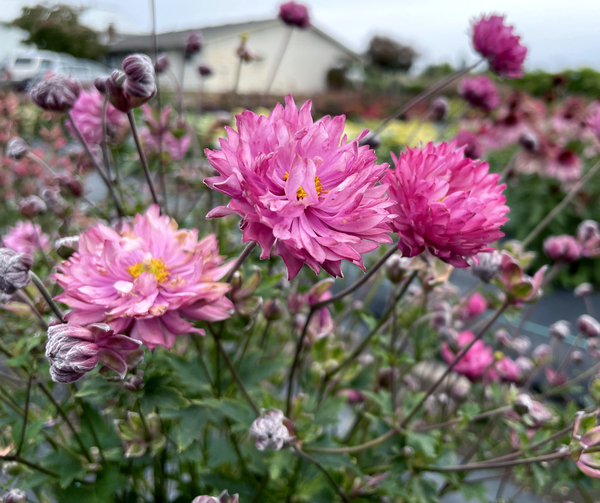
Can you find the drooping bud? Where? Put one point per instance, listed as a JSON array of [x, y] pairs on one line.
[[57, 94], [71, 183], [439, 108], [162, 64], [14, 270], [65, 247], [193, 44], [269, 431], [521, 344], [542, 353], [395, 268], [529, 142], [15, 496], [16, 148], [55, 202], [272, 309], [577, 357], [32, 206], [583, 290], [205, 70], [294, 14], [488, 267], [588, 326], [562, 248], [560, 329], [525, 365], [223, 498], [523, 404]]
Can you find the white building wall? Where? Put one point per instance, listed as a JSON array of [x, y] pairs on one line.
[[303, 70]]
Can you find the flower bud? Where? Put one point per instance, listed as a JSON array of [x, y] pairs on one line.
[[593, 348], [371, 140], [223, 498], [560, 330], [135, 382], [488, 267], [562, 248], [439, 108], [577, 357], [523, 404], [294, 14], [71, 183], [57, 94], [16, 148], [15, 496], [65, 247], [140, 84], [584, 290], [205, 70], [529, 142], [525, 365], [353, 396], [32, 206], [542, 353], [502, 337], [14, 270], [193, 44], [12, 468], [162, 64], [394, 268], [55, 202], [588, 326], [521, 344], [269, 431], [408, 451], [272, 309]]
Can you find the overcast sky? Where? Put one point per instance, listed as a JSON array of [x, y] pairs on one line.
[[559, 33]]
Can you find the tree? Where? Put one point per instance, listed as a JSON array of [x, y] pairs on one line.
[[389, 55], [57, 28]]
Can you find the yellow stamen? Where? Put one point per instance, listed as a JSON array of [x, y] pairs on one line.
[[301, 193], [154, 266]]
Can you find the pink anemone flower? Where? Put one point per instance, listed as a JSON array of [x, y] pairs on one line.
[[301, 186], [476, 362], [145, 281], [26, 237]]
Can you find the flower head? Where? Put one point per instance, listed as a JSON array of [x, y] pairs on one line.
[[475, 362], [588, 325], [269, 431], [495, 42], [145, 281], [14, 270], [57, 94], [26, 237], [205, 70], [294, 14], [73, 350], [16, 148], [299, 185], [473, 307], [593, 119], [562, 248], [445, 203], [87, 115], [560, 329], [564, 165], [479, 92], [588, 236], [193, 44], [32, 206]]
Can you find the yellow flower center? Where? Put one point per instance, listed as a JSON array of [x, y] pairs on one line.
[[154, 266], [301, 193]]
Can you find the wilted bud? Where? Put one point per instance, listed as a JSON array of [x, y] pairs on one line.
[[439, 108], [577, 357], [14, 270], [162, 64], [65, 247], [542, 353], [394, 268], [193, 44], [272, 309], [15, 496], [16, 148], [529, 142], [562, 248], [502, 337], [294, 14], [55, 202], [269, 431], [523, 404], [583, 290], [32, 206], [588, 326], [560, 329], [488, 267], [205, 70], [521, 344], [57, 94]]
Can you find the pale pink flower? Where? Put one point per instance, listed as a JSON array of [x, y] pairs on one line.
[[479, 92], [26, 237], [508, 370], [87, 114], [562, 248], [496, 42], [474, 307], [145, 281], [301, 186], [475, 362], [564, 165], [445, 203]]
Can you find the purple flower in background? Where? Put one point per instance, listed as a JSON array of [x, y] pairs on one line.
[[562, 248], [26, 237], [471, 143], [87, 115], [479, 92], [294, 14], [193, 44]]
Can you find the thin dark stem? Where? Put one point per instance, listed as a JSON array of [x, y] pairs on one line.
[[299, 345], [488, 465], [238, 263], [103, 142], [457, 358], [143, 160], [92, 429], [232, 369], [323, 470], [25, 416], [38, 468], [423, 96], [47, 297], [23, 298], [282, 51], [99, 168], [483, 415]]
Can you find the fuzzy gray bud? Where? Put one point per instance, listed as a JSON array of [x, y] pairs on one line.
[[16, 148], [488, 267], [394, 268], [57, 94], [523, 404], [560, 329], [15, 496], [14, 270], [588, 326], [32, 206], [269, 431]]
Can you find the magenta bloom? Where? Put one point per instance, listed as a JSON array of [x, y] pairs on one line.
[[475, 362], [475, 306], [26, 237], [564, 165], [300, 185], [146, 281], [562, 248], [508, 370], [473, 147], [87, 114], [496, 43], [445, 203], [479, 92], [294, 14]]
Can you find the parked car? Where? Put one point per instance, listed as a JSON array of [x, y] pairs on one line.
[[84, 70]]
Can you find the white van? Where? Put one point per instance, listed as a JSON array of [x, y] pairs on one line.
[[19, 69]]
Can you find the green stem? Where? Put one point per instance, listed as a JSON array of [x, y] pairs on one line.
[[323, 470], [47, 297]]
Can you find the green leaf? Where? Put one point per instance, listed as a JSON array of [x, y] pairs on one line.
[[473, 490], [424, 443]]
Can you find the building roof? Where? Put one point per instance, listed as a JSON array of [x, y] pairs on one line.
[[176, 39]]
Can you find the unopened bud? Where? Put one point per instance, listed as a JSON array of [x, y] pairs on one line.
[[15, 496], [65, 247], [16, 148], [294, 14], [577, 357], [521, 344], [560, 329], [394, 268], [205, 70], [272, 309], [502, 337], [269, 431], [14, 270], [488, 266], [588, 326], [162, 64], [523, 404], [32, 206], [57, 94], [193, 44], [583, 290], [529, 142], [439, 108], [542, 353]]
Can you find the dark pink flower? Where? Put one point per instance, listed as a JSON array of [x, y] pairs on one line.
[[299, 185], [479, 92], [445, 203], [27, 237], [495, 42], [73, 350], [87, 114], [562, 248], [508, 370], [294, 14], [145, 281], [475, 362], [474, 307], [564, 165], [472, 146]]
